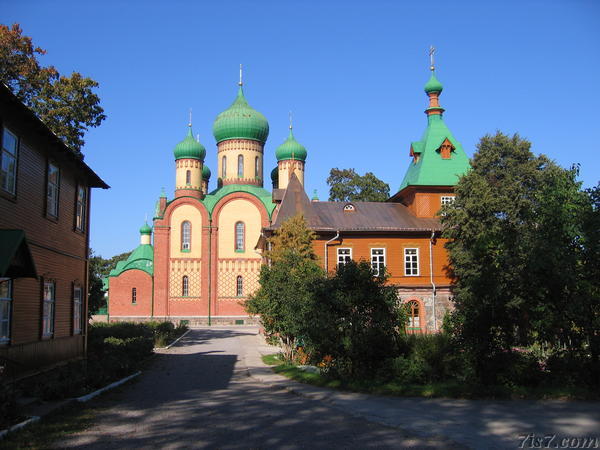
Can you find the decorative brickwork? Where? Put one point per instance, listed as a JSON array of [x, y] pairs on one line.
[[185, 267], [228, 272]]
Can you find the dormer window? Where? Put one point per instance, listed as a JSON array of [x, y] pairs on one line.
[[349, 207], [446, 149]]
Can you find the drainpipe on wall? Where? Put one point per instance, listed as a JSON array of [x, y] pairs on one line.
[[326, 252], [431, 278]]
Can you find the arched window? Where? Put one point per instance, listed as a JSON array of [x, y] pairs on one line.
[[256, 168], [414, 317], [188, 177], [186, 236], [224, 167], [239, 286], [240, 166], [239, 236], [185, 286]]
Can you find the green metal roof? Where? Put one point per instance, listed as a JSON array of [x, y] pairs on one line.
[[189, 147], [205, 172], [240, 121], [146, 229], [291, 149], [433, 85], [275, 174], [142, 258], [431, 169], [211, 200]]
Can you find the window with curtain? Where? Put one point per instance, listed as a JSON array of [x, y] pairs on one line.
[[223, 167], [48, 308]]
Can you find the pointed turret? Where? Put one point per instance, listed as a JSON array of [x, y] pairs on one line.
[[438, 160]]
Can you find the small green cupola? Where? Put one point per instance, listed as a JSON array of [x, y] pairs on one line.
[[205, 173], [275, 175], [291, 149], [433, 85], [189, 148], [146, 229], [241, 121]]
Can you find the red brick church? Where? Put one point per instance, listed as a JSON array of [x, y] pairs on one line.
[[205, 257]]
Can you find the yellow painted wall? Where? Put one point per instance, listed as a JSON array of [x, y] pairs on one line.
[[181, 214], [232, 212], [286, 168], [232, 149], [182, 166]]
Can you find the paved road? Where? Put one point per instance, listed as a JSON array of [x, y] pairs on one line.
[[199, 394]]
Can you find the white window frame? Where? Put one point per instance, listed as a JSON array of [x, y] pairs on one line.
[[257, 167], [414, 321], [8, 163], [48, 309], [240, 236], [239, 286], [224, 167], [447, 199], [186, 235], [411, 256], [52, 191], [344, 255], [81, 208], [77, 309], [185, 286], [6, 298], [377, 259]]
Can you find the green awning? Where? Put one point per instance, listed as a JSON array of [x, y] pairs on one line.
[[15, 257]]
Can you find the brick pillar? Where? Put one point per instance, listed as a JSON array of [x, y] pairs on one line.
[[161, 269]]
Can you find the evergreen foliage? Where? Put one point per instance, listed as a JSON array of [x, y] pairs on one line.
[[67, 105], [346, 185]]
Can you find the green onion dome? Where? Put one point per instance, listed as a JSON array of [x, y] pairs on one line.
[[275, 175], [291, 149], [146, 229], [433, 85], [205, 172], [189, 148], [240, 121]]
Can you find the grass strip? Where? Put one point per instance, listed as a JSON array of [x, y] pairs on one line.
[[442, 389]]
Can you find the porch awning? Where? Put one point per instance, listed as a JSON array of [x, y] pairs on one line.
[[15, 256]]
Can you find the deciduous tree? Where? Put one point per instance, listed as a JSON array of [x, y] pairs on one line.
[[515, 248], [347, 185], [67, 105]]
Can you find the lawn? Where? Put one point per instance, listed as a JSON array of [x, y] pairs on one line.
[[448, 389]]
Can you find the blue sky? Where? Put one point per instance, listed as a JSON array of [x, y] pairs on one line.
[[351, 72]]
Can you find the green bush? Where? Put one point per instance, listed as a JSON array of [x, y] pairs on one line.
[[8, 399]]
